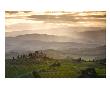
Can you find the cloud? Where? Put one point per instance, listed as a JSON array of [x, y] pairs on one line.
[[73, 18], [49, 23]]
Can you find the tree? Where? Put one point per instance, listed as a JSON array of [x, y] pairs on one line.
[[36, 52], [13, 58], [36, 74], [88, 73], [30, 55], [23, 56], [18, 57]]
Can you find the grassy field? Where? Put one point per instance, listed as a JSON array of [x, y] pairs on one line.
[[53, 68]]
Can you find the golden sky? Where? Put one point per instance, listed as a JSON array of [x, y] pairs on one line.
[[54, 22]]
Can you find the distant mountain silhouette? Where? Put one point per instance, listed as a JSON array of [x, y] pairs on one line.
[[42, 42], [41, 37]]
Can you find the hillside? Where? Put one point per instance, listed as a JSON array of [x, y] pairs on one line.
[[94, 36], [39, 65], [88, 53], [42, 42]]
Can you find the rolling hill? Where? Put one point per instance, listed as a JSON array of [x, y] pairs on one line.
[[42, 42]]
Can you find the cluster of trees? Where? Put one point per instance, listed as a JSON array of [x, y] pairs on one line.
[[88, 73], [102, 61], [36, 74], [36, 54]]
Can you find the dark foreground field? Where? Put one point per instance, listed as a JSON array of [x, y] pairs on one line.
[[33, 66]]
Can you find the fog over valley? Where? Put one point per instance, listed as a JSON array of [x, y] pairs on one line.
[[76, 32]]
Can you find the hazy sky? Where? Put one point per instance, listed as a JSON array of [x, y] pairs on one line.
[[52, 22]]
